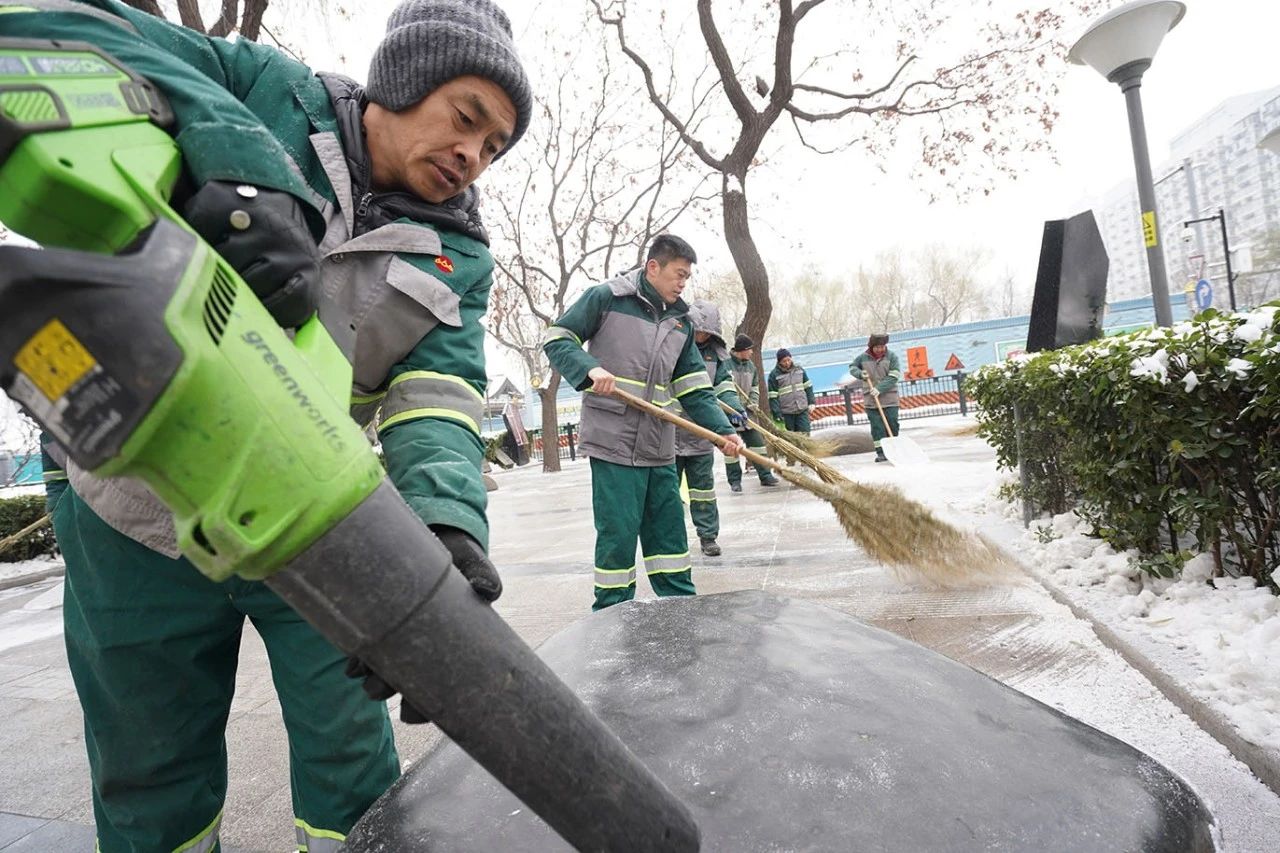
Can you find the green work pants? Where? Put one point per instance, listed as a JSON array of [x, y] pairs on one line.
[[153, 647], [630, 502], [699, 474], [799, 422], [733, 467], [878, 432]]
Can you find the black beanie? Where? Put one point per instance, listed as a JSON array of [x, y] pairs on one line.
[[783, 353], [742, 342]]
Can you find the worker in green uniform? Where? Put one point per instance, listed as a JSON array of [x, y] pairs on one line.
[[879, 371], [638, 337], [743, 371], [360, 203], [695, 457], [790, 393]]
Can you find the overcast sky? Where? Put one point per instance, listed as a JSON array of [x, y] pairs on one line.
[[840, 210]]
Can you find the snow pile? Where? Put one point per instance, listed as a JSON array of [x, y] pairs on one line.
[[1225, 632]]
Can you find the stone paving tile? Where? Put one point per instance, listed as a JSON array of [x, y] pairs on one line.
[[14, 827]]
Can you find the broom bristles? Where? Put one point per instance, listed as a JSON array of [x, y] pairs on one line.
[[907, 536]]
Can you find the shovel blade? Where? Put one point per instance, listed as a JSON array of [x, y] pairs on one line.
[[902, 451]]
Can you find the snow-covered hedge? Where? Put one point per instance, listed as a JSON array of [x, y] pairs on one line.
[[1167, 441], [16, 514]]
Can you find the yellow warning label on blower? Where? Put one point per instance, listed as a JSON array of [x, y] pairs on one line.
[[54, 359]]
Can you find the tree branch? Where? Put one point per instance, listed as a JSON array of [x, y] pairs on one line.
[[670, 117]]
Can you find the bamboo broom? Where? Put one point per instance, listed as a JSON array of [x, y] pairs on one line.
[[884, 522], [816, 448], [791, 452]]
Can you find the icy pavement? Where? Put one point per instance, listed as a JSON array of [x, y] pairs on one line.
[[783, 540]]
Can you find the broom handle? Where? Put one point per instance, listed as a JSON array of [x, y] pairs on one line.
[[688, 426], [731, 410], [879, 408]]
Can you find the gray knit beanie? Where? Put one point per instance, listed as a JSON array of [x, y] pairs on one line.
[[430, 42]]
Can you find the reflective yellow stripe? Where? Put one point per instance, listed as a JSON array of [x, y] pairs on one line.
[[54, 475], [415, 414], [205, 841], [427, 394], [557, 333], [690, 382], [660, 395], [315, 840], [607, 578], [662, 564], [361, 399]]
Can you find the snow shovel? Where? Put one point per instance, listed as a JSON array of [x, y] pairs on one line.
[[898, 449]]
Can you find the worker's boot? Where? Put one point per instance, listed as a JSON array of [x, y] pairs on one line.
[[880, 457], [710, 548], [768, 480], [735, 487]]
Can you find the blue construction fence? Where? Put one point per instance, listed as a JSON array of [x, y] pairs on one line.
[[917, 398]]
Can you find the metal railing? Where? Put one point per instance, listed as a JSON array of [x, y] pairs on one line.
[[917, 398], [566, 445]]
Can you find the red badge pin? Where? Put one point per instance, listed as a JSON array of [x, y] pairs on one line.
[[444, 264]]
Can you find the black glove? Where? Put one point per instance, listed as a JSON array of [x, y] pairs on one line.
[[263, 234], [470, 559], [738, 420]]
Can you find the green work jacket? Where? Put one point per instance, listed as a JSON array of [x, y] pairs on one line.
[[405, 300], [651, 352]]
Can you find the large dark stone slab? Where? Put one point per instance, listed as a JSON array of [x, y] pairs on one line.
[[788, 726]]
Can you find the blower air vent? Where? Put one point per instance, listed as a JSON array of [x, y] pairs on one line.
[[29, 106], [218, 304]]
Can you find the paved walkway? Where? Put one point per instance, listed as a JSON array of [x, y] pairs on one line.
[[781, 539]]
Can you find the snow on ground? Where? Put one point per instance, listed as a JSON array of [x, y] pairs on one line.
[[27, 568], [1218, 638]]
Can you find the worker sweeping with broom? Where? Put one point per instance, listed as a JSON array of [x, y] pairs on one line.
[[638, 336], [880, 371]]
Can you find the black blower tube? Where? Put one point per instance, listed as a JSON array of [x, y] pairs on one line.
[[382, 587]]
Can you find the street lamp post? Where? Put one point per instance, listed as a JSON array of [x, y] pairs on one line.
[[1221, 217], [1120, 46]]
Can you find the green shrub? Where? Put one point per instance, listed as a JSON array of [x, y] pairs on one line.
[[1163, 440], [17, 513]]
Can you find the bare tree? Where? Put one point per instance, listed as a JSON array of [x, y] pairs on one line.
[[819, 307], [1262, 284], [246, 18], [579, 201], [951, 284], [976, 106], [18, 434]]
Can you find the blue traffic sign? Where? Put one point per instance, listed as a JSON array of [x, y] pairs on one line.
[[1204, 294]]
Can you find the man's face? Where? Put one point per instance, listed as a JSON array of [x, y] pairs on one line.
[[744, 354], [785, 363], [669, 279], [879, 350], [437, 148], [702, 337]]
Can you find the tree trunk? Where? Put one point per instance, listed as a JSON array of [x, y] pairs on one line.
[[751, 269], [550, 425]]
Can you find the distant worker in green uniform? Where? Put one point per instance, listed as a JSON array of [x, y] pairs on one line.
[[637, 336], [743, 371], [879, 371], [323, 194], [695, 457], [790, 393]]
